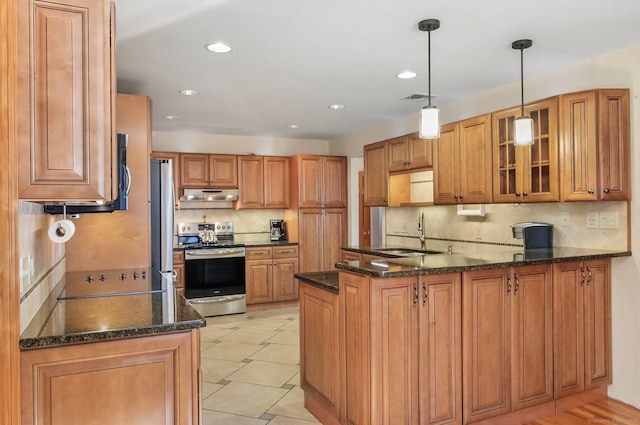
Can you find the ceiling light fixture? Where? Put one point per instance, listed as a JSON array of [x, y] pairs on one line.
[[523, 125], [430, 114], [336, 106], [407, 75], [218, 47], [294, 126], [189, 92], [171, 117]]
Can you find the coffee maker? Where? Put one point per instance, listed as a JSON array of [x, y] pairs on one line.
[[278, 230]]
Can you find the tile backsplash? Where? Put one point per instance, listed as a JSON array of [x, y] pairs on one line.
[[444, 227]]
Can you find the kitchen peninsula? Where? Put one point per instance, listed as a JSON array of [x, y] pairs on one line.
[[498, 337], [92, 355]]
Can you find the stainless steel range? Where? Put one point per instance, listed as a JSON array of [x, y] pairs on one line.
[[214, 268]]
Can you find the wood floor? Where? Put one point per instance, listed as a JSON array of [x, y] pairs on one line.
[[606, 411]]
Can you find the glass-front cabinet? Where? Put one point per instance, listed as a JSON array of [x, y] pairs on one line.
[[526, 173]]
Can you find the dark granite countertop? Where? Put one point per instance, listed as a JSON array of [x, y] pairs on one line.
[[488, 258], [95, 318], [325, 280]]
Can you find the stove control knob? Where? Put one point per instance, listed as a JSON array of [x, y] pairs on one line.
[[102, 278], [123, 276], [134, 275], [89, 279], [144, 274]]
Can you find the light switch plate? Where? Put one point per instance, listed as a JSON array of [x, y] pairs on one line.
[[609, 220], [592, 220], [565, 219]]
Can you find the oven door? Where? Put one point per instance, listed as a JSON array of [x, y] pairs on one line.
[[213, 274]]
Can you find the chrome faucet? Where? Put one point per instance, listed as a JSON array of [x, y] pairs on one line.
[[423, 244]]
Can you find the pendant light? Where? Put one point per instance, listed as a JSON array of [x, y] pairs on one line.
[[430, 114], [523, 125]]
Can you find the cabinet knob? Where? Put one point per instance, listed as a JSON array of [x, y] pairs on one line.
[[461, 197], [590, 191], [606, 190], [524, 193], [517, 193], [455, 196]]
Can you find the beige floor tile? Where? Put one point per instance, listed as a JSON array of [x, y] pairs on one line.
[[292, 406], [283, 420], [248, 335], [286, 337], [228, 321], [295, 380], [265, 373], [234, 397], [226, 350], [278, 353], [264, 323], [279, 313], [209, 388], [210, 333], [293, 325], [213, 370], [210, 417]]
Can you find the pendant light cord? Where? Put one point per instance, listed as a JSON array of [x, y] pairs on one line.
[[522, 82], [429, 62]]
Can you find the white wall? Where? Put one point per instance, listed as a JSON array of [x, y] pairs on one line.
[[617, 69]]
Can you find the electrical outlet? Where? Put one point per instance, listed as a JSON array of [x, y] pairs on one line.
[[565, 219], [592, 220], [478, 232], [609, 220], [403, 228]]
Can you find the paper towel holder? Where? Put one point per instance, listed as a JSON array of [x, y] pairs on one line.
[[479, 211]]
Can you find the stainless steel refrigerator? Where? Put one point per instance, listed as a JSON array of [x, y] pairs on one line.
[[162, 218]]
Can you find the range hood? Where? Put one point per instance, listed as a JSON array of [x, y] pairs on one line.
[[208, 198]]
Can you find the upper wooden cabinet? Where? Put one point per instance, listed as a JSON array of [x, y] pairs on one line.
[[526, 173], [66, 82], [462, 158], [595, 146], [263, 182], [198, 170], [319, 181], [409, 152], [376, 178]]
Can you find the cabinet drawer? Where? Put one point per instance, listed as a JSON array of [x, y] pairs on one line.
[[178, 257], [285, 252], [258, 253]]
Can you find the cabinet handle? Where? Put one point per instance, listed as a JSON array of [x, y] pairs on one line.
[[590, 276], [606, 190], [508, 285], [515, 291], [426, 295], [415, 295], [285, 252], [524, 193], [461, 197], [583, 276], [590, 191], [258, 253], [455, 196]]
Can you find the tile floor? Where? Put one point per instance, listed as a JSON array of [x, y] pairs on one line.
[[251, 365]]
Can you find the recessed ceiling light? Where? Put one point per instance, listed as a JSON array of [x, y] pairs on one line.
[[218, 47], [406, 75], [188, 92], [336, 106], [294, 126], [171, 117]]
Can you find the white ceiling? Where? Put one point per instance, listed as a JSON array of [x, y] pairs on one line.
[[294, 58]]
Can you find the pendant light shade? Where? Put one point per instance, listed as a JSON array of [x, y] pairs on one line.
[[523, 125], [429, 115]]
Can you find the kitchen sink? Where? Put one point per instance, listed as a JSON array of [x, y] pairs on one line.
[[406, 252]]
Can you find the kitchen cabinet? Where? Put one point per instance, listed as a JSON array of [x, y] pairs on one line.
[[263, 182], [507, 333], [582, 326], [199, 170], [178, 270], [526, 173], [174, 157], [321, 233], [376, 178], [319, 181], [595, 147], [151, 379], [462, 162], [319, 339], [66, 110], [269, 274], [409, 152]]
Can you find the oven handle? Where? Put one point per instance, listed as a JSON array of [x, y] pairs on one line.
[[202, 254], [222, 299]]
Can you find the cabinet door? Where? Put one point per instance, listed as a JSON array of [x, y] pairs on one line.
[[475, 161], [310, 240], [394, 351], [597, 323], [376, 179], [441, 349], [334, 236], [507, 174], [531, 336], [319, 343], [310, 181], [334, 182], [568, 326], [351, 256], [174, 157], [614, 145], [398, 151], [223, 171], [446, 157], [194, 170], [65, 128], [420, 151], [250, 182], [285, 286], [486, 337], [258, 281], [276, 182]]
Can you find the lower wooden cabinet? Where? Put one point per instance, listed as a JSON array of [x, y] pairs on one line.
[[146, 380], [178, 271], [269, 274], [582, 326], [321, 233]]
